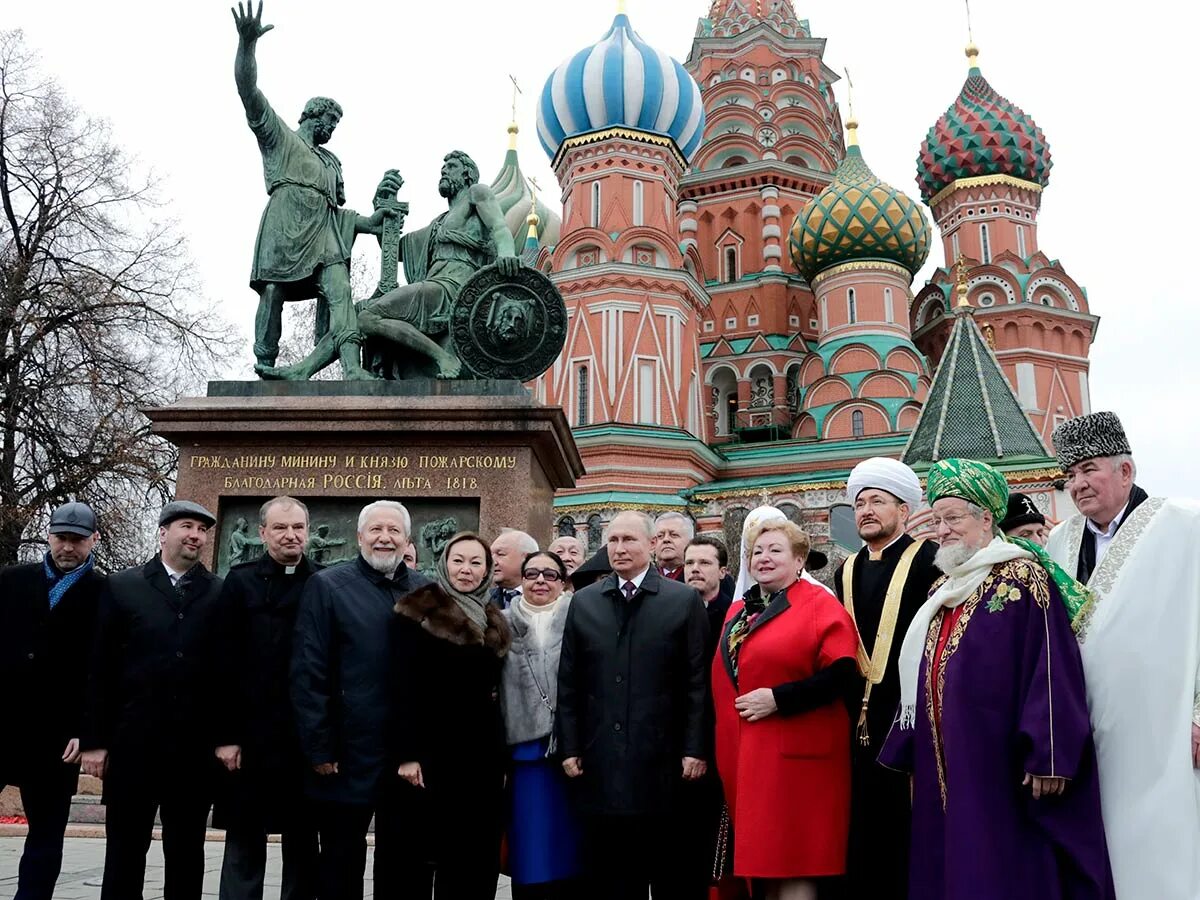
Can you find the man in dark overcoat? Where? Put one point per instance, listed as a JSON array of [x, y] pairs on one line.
[[342, 693], [47, 616], [150, 723], [632, 710], [263, 790]]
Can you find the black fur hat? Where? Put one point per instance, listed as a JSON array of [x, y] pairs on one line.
[[1086, 437]]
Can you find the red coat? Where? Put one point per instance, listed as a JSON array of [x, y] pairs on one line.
[[786, 778]]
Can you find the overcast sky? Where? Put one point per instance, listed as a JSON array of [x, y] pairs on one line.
[[419, 79]]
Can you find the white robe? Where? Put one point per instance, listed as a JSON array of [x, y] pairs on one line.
[[1141, 658]]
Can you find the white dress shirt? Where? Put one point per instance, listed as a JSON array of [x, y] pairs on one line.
[[1104, 538]]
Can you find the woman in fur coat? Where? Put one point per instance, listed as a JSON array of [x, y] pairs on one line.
[[543, 834], [448, 734]]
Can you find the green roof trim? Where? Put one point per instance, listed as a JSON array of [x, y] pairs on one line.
[[971, 411], [620, 498]]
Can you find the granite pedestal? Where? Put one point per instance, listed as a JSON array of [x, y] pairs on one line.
[[478, 455]]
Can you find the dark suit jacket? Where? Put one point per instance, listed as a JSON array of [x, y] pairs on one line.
[[341, 684], [43, 666], [632, 693], [153, 690], [262, 602]]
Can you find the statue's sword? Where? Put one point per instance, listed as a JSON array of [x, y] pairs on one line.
[[393, 225]]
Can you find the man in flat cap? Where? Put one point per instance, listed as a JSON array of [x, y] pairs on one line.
[[1024, 520], [47, 616], [882, 586], [1140, 638], [151, 707]]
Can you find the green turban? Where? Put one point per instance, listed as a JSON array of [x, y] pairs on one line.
[[982, 485], [969, 480]]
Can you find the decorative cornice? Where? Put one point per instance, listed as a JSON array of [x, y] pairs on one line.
[[631, 134], [984, 181], [861, 266], [788, 488]]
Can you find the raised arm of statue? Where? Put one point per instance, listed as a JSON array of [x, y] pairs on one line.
[[492, 217], [245, 68]]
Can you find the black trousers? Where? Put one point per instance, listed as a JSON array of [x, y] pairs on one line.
[[700, 804], [625, 856], [46, 798], [244, 867], [129, 828], [342, 838], [413, 867]]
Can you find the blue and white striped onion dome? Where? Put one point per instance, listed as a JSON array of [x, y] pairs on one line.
[[621, 82]]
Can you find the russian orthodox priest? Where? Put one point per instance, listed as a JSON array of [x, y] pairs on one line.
[[1140, 640], [993, 721], [882, 586]]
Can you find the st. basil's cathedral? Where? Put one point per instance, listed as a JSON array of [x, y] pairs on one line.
[[743, 325]]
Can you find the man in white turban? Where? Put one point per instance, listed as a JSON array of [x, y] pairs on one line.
[[882, 586]]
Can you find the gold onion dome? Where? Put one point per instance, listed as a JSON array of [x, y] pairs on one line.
[[858, 218]]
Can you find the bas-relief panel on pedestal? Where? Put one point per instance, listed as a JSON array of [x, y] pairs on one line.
[[333, 523]]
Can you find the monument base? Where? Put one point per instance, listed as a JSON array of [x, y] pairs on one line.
[[477, 455]]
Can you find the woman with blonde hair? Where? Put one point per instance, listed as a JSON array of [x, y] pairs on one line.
[[785, 662]]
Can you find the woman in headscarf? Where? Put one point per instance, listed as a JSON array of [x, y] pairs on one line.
[[543, 834], [785, 661], [448, 734]]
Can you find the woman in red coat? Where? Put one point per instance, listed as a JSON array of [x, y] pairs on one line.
[[786, 659]]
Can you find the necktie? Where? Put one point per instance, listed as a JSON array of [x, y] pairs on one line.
[[628, 590]]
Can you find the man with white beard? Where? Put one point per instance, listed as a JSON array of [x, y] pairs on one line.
[[342, 697], [993, 722]]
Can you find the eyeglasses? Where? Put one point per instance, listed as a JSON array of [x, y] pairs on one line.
[[951, 522], [550, 575]]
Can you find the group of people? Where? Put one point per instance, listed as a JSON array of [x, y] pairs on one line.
[[976, 716]]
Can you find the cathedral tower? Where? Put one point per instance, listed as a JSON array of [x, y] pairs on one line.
[[982, 169], [620, 120]]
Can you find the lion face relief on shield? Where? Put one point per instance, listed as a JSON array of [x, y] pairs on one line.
[[510, 319]]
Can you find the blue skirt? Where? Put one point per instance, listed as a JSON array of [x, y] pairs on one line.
[[543, 831]]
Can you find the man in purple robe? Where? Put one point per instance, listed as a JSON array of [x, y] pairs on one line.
[[993, 720]]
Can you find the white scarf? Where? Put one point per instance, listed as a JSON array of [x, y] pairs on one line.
[[963, 581], [539, 625]]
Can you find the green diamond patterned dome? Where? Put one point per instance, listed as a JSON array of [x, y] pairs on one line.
[[858, 218]]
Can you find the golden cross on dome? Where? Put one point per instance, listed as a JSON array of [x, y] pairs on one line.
[[765, 498], [852, 122], [972, 51], [516, 90]]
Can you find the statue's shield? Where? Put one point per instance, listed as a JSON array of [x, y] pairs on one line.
[[508, 327]]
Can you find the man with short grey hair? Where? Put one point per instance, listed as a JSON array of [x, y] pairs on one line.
[[264, 792], [508, 554], [570, 550], [632, 716], [341, 692], [672, 533], [1140, 639]]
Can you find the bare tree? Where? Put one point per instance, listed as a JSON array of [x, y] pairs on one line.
[[99, 317]]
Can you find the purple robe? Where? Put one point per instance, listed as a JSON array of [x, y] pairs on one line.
[[1012, 701]]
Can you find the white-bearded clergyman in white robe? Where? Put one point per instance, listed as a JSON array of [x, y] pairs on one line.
[[1140, 638]]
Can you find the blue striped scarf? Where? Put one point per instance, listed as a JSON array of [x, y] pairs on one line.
[[60, 583]]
